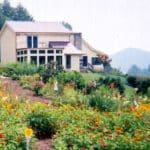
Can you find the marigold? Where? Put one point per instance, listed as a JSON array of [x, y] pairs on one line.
[[28, 132]]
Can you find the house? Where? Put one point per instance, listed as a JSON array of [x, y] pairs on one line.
[[42, 42]]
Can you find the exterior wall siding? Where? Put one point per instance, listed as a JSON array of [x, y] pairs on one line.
[[43, 40], [88, 52], [75, 62], [8, 46]]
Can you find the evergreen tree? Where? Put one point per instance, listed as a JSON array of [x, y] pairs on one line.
[[10, 13], [21, 13], [6, 9]]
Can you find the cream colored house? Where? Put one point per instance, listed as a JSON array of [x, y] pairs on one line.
[[42, 42]]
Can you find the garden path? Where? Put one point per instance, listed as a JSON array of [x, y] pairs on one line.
[[15, 89]]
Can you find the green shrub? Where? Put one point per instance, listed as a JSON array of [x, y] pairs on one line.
[[142, 84], [148, 92], [17, 69], [27, 81], [51, 70], [102, 103], [117, 83], [42, 123], [73, 76]]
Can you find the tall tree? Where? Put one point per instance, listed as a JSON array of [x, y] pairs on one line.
[[10, 13], [21, 13], [7, 10]]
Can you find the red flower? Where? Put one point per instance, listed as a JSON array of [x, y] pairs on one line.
[[1, 136], [112, 85]]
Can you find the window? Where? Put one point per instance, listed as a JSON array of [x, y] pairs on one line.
[[18, 52], [68, 61], [50, 58], [33, 51], [21, 52], [25, 59], [29, 41], [59, 60], [96, 61], [35, 42], [18, 59], [25, 51], [41, 51], [21, 59], [58, 51], [41, 60], [34, 60], [50, 51], [85, 62]]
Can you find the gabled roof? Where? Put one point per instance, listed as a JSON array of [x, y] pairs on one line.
[[71, 49], [31, 26]]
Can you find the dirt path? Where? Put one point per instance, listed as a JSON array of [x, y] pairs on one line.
[[15, 89]]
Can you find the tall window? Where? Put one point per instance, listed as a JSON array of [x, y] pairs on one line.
[[35, 42], [29, 41], [68, 61], [85, 62], [59, 60]]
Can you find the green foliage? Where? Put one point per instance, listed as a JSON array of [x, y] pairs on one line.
[[117, 83], [73, 76], [142, 84], [27, 81], [16, 70], [148, 92], [51, 70], [21, 14], [7, 12], [102, 103], [42, 123]]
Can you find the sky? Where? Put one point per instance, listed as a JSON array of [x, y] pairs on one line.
[[107, 25]]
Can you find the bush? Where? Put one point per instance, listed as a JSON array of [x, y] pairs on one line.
[[141, 83], [27, 81], [73, 76], [42, 123], [16, 70], [148, 92], [102, 103], [116, 81], [51, 70]]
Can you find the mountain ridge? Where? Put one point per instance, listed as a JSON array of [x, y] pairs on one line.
[[127, 57]]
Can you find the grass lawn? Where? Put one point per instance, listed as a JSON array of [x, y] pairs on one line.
[[91, 76]]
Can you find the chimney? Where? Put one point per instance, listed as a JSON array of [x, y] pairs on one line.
[[76, 40]]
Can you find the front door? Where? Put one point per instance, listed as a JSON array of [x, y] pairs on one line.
[[85, 61], [68, 61]]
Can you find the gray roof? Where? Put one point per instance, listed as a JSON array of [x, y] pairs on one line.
[[31, 26]]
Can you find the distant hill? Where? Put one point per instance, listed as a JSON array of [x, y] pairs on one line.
[[128, 57]]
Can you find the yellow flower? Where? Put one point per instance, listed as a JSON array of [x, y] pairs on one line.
[[28, 132]]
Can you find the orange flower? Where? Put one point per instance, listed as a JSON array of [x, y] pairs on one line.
[[28, 132], [119, 130]]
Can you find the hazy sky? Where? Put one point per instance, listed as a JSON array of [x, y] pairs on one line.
[[108, 25]]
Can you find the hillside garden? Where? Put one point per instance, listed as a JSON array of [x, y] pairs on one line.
[[82, 111]]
